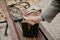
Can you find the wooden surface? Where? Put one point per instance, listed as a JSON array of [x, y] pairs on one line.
[[52, 30], [14, 29], [2, 37]]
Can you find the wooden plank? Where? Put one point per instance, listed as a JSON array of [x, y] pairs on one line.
[[14, 30], [40, 36], [45, 32]]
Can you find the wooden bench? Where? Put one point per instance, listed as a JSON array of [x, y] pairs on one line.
[[51, 32]]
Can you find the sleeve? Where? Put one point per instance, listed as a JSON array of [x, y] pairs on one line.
[[49, 13]]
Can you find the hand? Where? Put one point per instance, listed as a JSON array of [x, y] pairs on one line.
[[30, 22], [37, 19], [33, 19]]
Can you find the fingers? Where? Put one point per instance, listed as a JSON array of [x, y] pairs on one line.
[[33, 19], [28, 18], [30, 22], [38, 19]]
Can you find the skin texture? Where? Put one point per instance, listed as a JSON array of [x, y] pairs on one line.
[[33, 19], [30, 18]]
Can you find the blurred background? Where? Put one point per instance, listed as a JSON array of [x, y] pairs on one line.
[[51, 30]]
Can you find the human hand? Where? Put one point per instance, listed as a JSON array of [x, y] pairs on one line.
[[37, 19], [33, 19], [30, 22]]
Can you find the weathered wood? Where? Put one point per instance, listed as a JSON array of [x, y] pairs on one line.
[[14, 30], [40, 35]]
